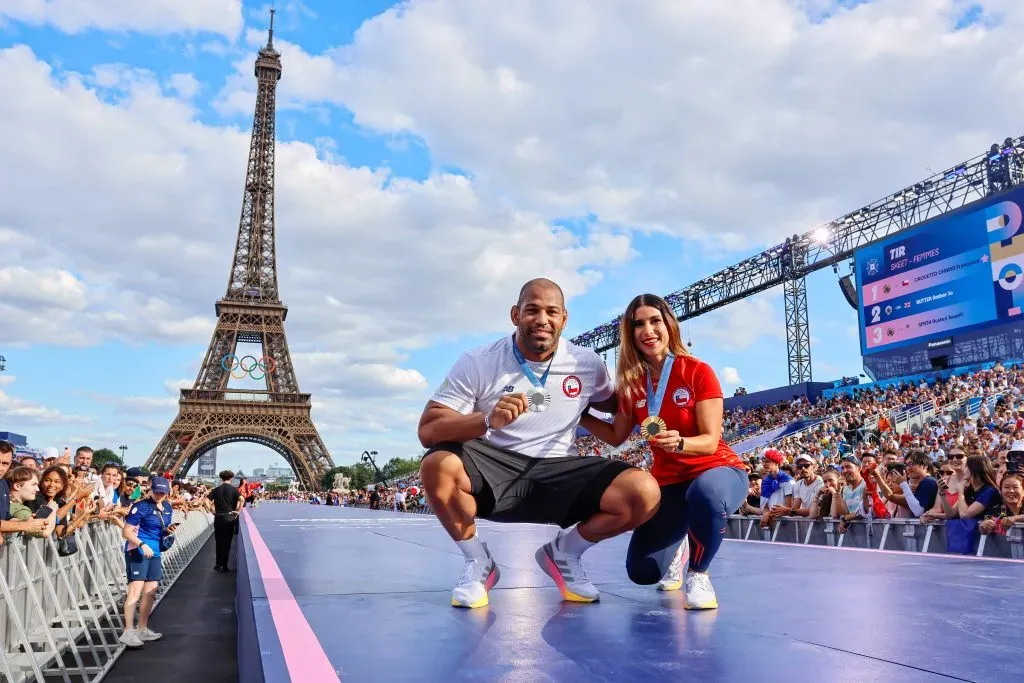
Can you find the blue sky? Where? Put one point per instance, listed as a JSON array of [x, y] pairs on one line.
[[624, 170]]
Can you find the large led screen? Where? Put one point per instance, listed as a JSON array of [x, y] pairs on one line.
[[957, 272]]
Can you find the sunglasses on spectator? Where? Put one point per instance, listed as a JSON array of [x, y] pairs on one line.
[[957, 456], [803, 465]]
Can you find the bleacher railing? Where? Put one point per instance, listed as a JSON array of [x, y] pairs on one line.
[[60, 617], [910, 535]]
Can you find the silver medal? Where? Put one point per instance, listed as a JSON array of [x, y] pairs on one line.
[[537, 399]]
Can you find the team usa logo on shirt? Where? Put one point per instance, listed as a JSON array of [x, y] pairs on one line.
[[681, 397], [572, 387]]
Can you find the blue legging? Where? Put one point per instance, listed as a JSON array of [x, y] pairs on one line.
[[699, 507]]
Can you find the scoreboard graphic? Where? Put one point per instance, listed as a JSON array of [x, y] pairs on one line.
[[958, 272]]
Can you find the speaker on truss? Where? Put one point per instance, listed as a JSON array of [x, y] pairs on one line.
[[849, 290]]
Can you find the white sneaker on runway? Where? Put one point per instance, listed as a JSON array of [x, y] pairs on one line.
[[130, 638], [700, 594], [147, 634], [567, 572], [478, 577], [673, 579]]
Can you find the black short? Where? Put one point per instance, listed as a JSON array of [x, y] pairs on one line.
[[510, 487]]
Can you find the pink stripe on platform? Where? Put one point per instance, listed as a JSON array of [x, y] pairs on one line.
[[304, 656]]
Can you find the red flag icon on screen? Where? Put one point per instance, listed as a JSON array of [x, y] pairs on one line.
[[906, 283]]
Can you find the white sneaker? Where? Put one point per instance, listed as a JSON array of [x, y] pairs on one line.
[[673, 579], [147, 634], [567, 572], [478, 577], [700, 594], [130, 638]]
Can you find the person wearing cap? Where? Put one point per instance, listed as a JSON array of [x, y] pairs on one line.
[[400, 498], [148, 520], [776, 488], [808, 483]]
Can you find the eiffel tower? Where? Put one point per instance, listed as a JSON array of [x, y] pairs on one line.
[[210, 414]]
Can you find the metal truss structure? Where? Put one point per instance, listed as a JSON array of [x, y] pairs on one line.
[[251, 312], [798, 330], [1000, 169]]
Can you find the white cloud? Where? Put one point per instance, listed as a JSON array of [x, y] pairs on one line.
[[740, 325], [732, 122], [25, 413], [731, 375], [185, 85], [45, 287], [159, 17], [138, 247]]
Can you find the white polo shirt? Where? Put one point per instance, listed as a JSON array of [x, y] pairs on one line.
[[483, 375]]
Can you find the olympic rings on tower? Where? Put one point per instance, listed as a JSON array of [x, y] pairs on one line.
[[248, 365]]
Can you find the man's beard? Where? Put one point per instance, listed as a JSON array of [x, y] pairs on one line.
[[540, 345]]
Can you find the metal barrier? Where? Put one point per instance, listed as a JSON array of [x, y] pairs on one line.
[[909, 535], [60, 617]]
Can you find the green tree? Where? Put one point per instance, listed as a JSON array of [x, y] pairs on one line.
[[400, 467], [105, 455], [360, 475], [327, 481]]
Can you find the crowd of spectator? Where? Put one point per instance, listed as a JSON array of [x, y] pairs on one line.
[[958, 468], [56, 495], [404, 494], [853, 462], [873, 403]]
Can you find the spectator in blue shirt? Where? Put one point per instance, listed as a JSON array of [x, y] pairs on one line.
[[148, 520]]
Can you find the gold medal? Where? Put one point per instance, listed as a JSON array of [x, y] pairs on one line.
[[652, 426]]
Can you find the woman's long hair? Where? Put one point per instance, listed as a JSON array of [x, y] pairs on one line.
[[981, 469], [632, 368]]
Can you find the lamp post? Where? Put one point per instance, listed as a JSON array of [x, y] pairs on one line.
[[122, 448]]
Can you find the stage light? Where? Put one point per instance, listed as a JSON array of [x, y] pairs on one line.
[[822, 235]]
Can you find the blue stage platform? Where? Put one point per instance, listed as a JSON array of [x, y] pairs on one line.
[[341, 594]]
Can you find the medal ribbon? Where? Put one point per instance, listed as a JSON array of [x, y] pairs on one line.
[[654, 399], [527, 370]]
